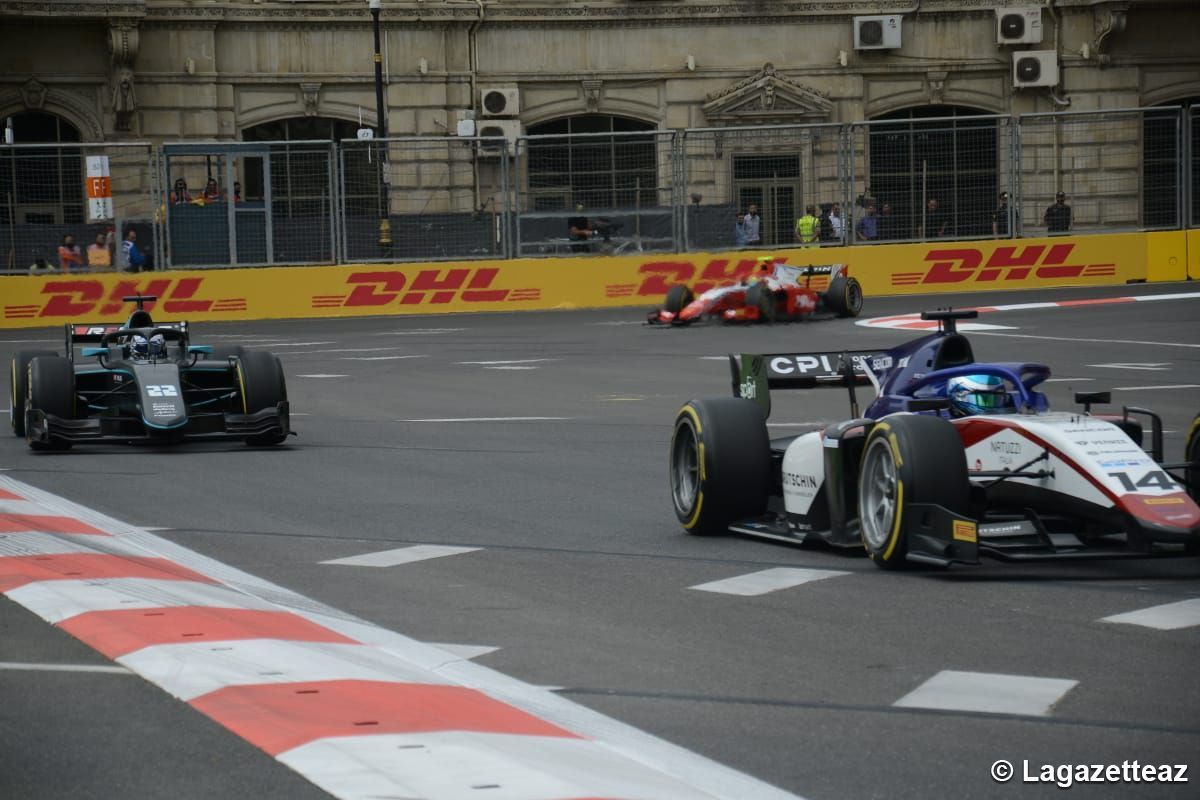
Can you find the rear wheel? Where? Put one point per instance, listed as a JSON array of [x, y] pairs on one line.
[[262, 385], [51, 389], [907, 459], [1191, 454], [18, 386], [760, 296], [678, 298], [720, 462], [844, 296]]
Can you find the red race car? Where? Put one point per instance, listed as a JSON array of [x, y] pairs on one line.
[[776, 292]]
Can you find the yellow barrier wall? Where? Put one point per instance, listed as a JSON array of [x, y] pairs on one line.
[[1167, 256], [1193, 254], [577, 282]]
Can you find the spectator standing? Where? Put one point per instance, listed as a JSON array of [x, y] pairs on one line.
[[180, 194], [579, 229], [825, 225], [98, 255], [806, 227], [868, 226], [935, 222], [212, 192], [68, 254], [237, 192], [838, 222], [132, 259], [1058, 216], [739, 229], [1000, 217], [888, 226], [752, 223]]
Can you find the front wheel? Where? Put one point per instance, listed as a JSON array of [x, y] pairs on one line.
[[679, 297], [760, 296], [720, 462], [1191, 454], [262, 385], [844, 296], [907, 459], [19, 387], [51, 389]]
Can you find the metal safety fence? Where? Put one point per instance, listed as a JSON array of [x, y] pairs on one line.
[[906, 178]]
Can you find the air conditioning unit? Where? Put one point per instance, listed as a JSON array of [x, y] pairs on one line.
[[1035, 68], [881, 32], [510, 129], [1018, 26], [499, 101]]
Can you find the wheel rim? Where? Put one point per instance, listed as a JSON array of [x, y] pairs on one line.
[[854, 297], [685, 468], [877, 494]]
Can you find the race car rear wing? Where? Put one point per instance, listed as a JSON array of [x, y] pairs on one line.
[[755, 375]]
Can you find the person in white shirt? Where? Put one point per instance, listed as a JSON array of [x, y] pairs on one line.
[[752, 226], [836, 220]]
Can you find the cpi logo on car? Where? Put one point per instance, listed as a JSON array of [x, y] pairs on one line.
[[1001, 263]]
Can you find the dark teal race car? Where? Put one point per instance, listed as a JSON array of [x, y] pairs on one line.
[[145, 382]]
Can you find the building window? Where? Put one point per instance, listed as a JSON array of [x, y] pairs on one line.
[[576, 163], [42, 185], [951, 159]]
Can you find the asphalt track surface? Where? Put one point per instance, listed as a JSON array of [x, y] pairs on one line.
[[582, 577]]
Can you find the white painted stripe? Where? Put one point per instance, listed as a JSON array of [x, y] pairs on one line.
[[814, 423], [57, 341], [768, 580], [1167, 386], [171, 529], [512, 361], [988, 693], [1177, 296], [401, 555], [419, 332], [20, 507], [617, 322], [511, 367], [343, 350], [451, 765], [1154, 366], [189, 671], [467, 651], [28, 667], [55, 601], [1067, 380], [1086, 341], [489, 419], [321, 375], [1169, 617], [378, 358], [297, 344], [661, 758]]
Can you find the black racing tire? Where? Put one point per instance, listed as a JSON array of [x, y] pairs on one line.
[[760, 296], [262, 385], [1191, 454], [678, 298], [51, 389], [907, 459], [18, 376], [720, 463], [844, 296]]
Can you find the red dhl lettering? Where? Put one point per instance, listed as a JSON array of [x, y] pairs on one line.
[[660, 276], [430, 286], [75, 298], [1005, 263]]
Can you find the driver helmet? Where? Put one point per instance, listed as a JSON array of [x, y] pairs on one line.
[[979, 394], [152, 348]]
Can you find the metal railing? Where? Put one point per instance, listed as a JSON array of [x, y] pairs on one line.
[[460, 198]]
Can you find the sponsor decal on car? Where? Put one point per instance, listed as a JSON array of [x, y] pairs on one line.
[[964, 531]]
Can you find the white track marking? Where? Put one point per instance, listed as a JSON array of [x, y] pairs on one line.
[[489, 419], [915, 323], [609, 759], [378, 358], [467, 651], [1076, 340], [401, 555], [25, 667], [171, 529], [31, 341], [988, 693], [275, 345], [55, 601], [343, 350], [768, 580], [713, 358], [511, 366], [1169, 617], [512, 361], [1152, 366], [813, 424], [191, 670], [1168, 386], [321, 375], [617, 322], [419, 332], [1050, 380]]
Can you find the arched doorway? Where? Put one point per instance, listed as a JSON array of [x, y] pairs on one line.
[[1162, 148], [576, 163], [943, 153], [42, 185]]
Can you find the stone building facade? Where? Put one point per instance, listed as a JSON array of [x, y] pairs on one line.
[[237, 70]]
